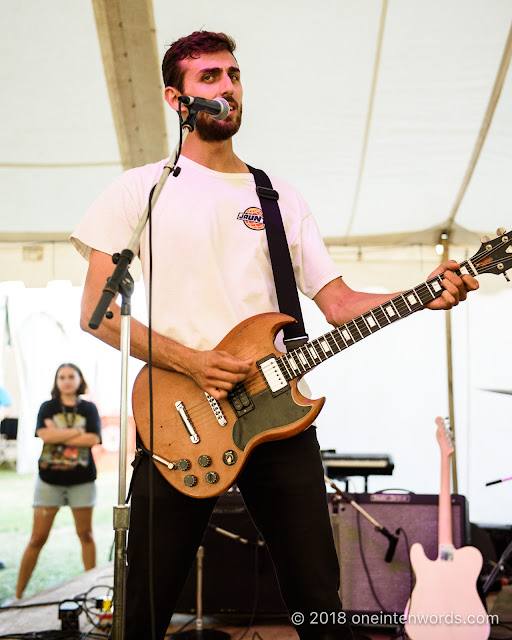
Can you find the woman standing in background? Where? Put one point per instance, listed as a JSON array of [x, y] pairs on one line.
[[69, 427]]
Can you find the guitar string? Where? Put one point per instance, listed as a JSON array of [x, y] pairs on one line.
[[255, 383]]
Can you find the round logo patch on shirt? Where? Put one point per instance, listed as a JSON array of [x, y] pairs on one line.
[[252, 218]]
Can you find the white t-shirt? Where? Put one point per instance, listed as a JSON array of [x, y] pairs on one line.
[[211, 266]]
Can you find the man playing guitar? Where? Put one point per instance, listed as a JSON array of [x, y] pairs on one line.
[[211, 271]]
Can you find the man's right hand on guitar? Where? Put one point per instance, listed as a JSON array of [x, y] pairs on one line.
[[217, 372]]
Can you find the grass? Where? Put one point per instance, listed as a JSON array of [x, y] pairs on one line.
[[60, 558]]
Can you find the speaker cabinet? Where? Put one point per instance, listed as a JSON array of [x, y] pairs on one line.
[[238, 577], [370, 585]]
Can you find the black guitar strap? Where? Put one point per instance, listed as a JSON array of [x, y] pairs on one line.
[[286, 288]]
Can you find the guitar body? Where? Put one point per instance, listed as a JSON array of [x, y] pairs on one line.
[[255, 414], [445, 592]]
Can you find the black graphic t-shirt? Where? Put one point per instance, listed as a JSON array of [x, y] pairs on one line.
[[61, 463]]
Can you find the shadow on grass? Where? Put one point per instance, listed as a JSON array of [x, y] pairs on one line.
[[60, 558]]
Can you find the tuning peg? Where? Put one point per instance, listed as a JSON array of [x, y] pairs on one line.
[[506, 277], [484, 239], [501, 231]]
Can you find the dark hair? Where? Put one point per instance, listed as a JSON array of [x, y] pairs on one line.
[[82, 388], [191, 46]]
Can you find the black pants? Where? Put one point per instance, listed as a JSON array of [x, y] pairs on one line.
[[283, 488]]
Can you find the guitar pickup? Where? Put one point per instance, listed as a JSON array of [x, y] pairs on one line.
[[273, 375], [240, 400]]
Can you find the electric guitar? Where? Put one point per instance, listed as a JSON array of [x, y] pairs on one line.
[[200, 445], [445, 604]]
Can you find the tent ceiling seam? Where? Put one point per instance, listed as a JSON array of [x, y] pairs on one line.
[[484, 129], [369, 115]]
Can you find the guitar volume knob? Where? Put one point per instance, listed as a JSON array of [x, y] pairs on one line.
[[212, 477], [204, 461], [183, 464], [190, 481]]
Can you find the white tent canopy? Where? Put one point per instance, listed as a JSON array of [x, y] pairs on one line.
[[393, 118], [373, 108]]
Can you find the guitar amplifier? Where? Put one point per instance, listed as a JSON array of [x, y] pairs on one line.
[[230, 587], [369, 585]]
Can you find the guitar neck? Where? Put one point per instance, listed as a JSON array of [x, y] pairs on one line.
[[445, 535], [299, 361]]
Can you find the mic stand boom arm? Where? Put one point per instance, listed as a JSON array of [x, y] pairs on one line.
[[121, 282], [392, 537]]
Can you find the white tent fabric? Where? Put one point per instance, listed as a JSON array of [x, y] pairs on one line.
[[308, 71], [374, 109]]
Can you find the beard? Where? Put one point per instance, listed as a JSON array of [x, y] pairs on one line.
[[210, 130]]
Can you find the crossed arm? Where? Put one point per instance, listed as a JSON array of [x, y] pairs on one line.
[[216, 372], [74, 437]]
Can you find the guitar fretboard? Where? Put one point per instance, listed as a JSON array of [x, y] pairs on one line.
[[299, 361]]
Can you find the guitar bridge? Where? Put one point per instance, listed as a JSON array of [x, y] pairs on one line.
[[446, 552], [240, 400], [180, 408]]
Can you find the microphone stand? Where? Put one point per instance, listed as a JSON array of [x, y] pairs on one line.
[[199, 633], [488, 484], [122, 282], [499, 566], [392, 537]]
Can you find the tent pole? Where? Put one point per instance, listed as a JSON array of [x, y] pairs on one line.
[[445, 241]]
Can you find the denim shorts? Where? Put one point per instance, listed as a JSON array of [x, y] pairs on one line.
[[55, 495]]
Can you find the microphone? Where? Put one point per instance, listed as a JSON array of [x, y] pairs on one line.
[[393, 541], [218, 109]]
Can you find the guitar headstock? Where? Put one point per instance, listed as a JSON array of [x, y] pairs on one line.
[[494, 256], [444, 438]]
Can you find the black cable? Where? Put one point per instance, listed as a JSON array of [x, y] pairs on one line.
[[87, 598], [401, 632], [180, 116], [408, 550], [150, 382], [30, 606], [150, 385], [365, 565]]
